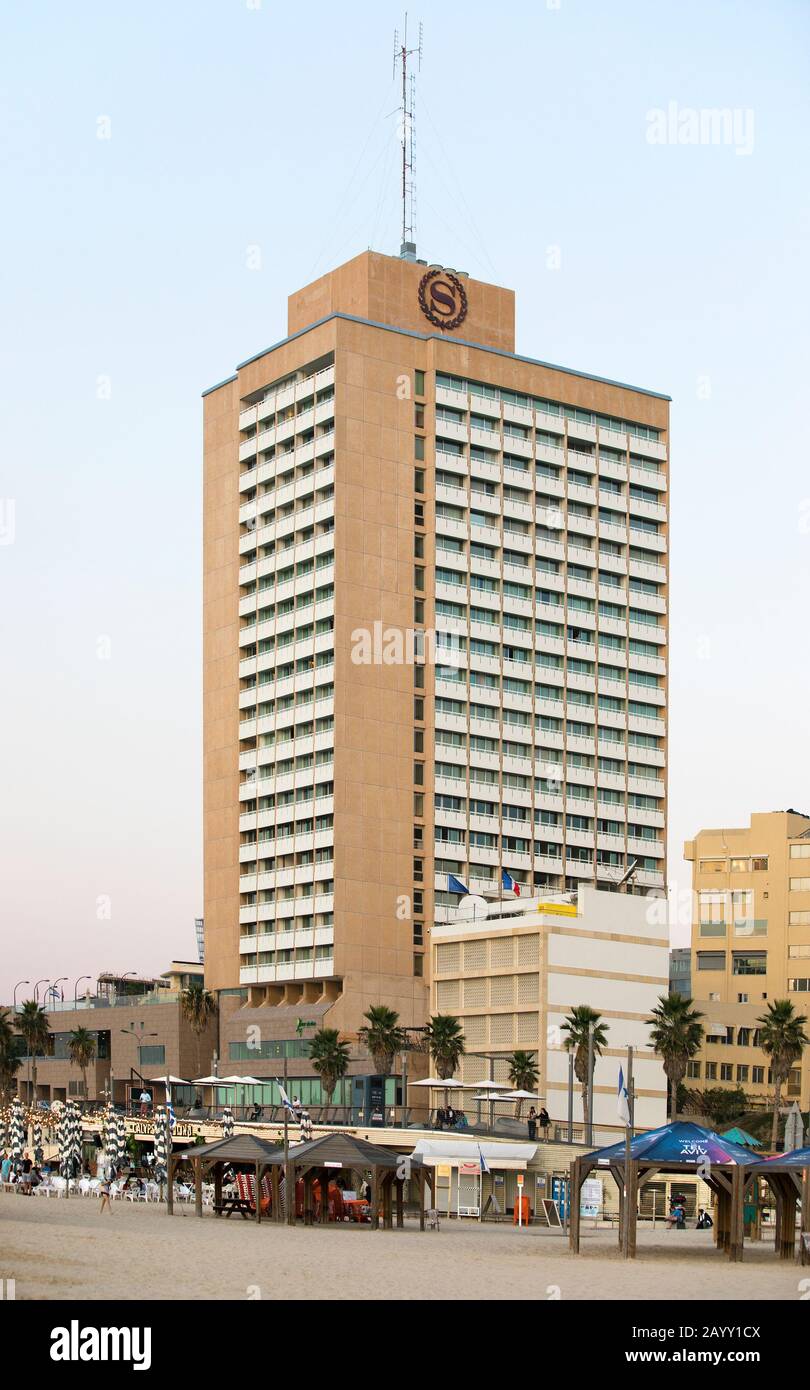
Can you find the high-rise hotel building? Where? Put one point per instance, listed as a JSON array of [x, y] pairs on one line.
[[394, 467]]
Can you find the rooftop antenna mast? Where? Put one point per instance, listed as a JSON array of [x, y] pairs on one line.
[[402, 56]]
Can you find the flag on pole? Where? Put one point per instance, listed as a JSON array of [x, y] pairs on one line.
[[509, 884], [623, 1100], [484, 1165], [454, 885], [285, 1099]]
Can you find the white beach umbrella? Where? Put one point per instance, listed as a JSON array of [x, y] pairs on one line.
[[227, 1123]]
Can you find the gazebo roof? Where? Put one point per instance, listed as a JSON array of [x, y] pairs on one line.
[[241, 1148], [340, 1149], [797, 1158], [741, 1136], [686, 1144]]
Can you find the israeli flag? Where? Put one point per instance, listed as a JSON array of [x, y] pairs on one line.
[[454, 885], [285, 1099], [485, 1168], [623, 1100]]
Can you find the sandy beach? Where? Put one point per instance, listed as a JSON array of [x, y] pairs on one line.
[[67, 1249]]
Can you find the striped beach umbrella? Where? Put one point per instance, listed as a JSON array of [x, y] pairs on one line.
[[39, 1152], [161, 1132], [227, 1123], [120, 1139], [16, 1132], [306, 1127], [65, 1142]]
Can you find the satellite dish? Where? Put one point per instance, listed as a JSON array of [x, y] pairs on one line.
[[472, 907]]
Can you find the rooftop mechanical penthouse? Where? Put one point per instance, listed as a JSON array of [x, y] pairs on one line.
[[394, 465]]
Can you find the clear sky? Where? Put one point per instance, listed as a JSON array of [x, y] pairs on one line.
[[172, 170]]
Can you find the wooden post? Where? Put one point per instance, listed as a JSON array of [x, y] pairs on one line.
[[170, 1187], [400, 1203], [289, 1178], [275, 1187], [375, 1200], [258, 1196], [218, 1188], [737, 1228], [308, 1197], [421, 1180], [632, 1210], [388, 1209], [198, 1208], [324, 1196], [573, 1207]]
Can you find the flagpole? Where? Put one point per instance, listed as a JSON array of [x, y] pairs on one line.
[[628, 1135]]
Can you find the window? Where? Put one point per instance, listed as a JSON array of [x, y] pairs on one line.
[[740, 866], [759, 863], [742, 1073], [800, 885], [758, 1075], [800, 919], [712, 866], [712, 907], [749, 963], [419, 452], [800, 851], [711, 960], [419, 383], [711, 1071], [418, 966], [151, 1055], [726, 1071]]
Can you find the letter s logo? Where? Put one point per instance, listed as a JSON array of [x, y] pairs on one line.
[[443, 299], [441, 295]]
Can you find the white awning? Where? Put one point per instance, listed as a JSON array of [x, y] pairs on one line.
[[451, 1153]]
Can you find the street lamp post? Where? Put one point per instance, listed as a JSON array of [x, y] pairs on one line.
[[16, 987], [76, 987], [52, 990], [36, 989], [138, 1034]]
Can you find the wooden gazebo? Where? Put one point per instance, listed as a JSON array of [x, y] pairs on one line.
[[788, 1177], [725, 1167], [242, 1150], [320, 1159]]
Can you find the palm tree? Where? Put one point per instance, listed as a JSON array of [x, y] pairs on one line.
[[579, 1025], [382, 1036], [676, 1034], [783, 1040], [523, 1074], [445, 1038], [82, 1050], [198, 1006], [10, 1059], [329, 1056], [32, 1022]]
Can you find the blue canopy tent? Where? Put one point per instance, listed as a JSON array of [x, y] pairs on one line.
[[681, 1147]]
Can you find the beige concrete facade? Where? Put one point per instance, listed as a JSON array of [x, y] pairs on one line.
[[122, 1030], [750, 945], [320, 462], [513, 976]]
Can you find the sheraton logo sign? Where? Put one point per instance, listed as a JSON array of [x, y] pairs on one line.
[[443, 299]]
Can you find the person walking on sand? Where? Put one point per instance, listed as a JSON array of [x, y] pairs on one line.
[[104, 1193]]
